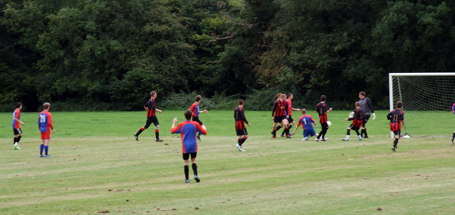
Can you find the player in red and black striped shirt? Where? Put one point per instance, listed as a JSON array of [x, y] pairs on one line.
[[321, 109], [290, 119], [396, 118], [151, 109], [357, 121], [279, 115], [240, 120]]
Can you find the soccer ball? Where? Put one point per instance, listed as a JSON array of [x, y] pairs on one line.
[[329, 123], [351, 115]]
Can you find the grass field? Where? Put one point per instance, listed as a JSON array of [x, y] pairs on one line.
[[97, 166]]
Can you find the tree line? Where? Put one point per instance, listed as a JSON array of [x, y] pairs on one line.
[[108, 55]]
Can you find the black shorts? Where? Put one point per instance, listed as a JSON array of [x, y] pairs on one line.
[[352, 127], [278, 119], [367, 117], [150, 120], [196, 119], [398, 133], [290, 119], [186, 156], [241, 132], [17, 131]]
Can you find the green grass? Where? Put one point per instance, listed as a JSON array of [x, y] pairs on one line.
[[97, 165]]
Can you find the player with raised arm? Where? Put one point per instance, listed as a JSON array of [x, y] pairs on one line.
[[307, 124], [367, 106], [396, 118], [240, 120], [357, 121], [17, 126], [290, 120], [279, 115], [188, 130], [195, 109], [45, 126], [151, 109], [321, 109], [453, 111]]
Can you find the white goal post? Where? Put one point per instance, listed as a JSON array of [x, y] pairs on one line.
[[423, 91]]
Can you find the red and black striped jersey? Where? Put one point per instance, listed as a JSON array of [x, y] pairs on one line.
[[290, 106], [321, 109], [240, 119], [280, 108], [395, 116], [151, 107], [359, 117]]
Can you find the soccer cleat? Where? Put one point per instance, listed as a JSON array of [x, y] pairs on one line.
[[199, 139], [360, 138], [16, 147], [325, 139], [282, 135], [136, 136], [273, 136], [288, 136], [345, 139], [393, 149], [48, 156], [187, 181], [242, 150], [239, 147], [305, 139], [41, 156], [366, 136], [159, 140], [197, 179]]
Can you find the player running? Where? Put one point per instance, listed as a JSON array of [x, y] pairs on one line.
[[195, 109], [279, 115], [321, 109], [396, 118], [240, 120], [17, 126], [367, 106], [357, 121], [307, 124], [290, 120], [45, 126], [188, 130], [151, 109]]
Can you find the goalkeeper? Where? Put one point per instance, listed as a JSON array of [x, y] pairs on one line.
[[367, 106]]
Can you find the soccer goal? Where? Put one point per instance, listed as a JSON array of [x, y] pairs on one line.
[[427, 100]]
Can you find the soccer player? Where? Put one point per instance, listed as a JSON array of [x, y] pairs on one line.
[[367, 106], [240, 120], [453, 111], [151, 109], [321, 109], [45, 126], [396, 118], [279, 115], [17, 126], [188, 130], [307, 124], [195, 109], [357, 121], [290, 120]]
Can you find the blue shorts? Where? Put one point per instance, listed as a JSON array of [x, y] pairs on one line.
[[309, 132]]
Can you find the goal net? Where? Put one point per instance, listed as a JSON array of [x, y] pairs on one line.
[[427, 102]]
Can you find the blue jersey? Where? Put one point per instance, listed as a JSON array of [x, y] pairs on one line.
[[195, 109], [306, 122], [43, 121], [453, 108], [188, 130]]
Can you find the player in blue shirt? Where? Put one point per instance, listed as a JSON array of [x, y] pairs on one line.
[[188, 130], [307, 124]]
